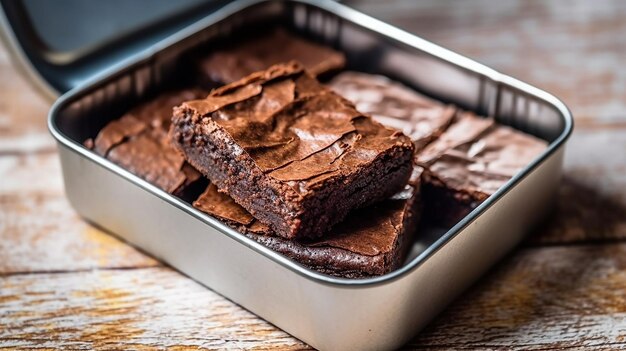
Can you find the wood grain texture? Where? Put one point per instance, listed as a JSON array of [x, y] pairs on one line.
[[591, 203], [140, 309], [39, 231], [542, 298], [38, 174], [43, 234], [578, 300], [570, 48], [23, 113]]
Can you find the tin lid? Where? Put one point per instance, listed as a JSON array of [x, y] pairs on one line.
[[59, 44]]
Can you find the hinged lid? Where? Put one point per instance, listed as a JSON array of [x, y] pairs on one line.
[[61, 43]]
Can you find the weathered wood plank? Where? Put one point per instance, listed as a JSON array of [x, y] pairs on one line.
[[543, 298], [141, 309], [570, 48], [43, 233], [26, 174], [592, 199], [23, 113], [39, 231]]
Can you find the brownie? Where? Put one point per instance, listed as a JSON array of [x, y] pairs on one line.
[[258, 53], [467, 158], [293, 153], [369, 242], [138, 142], [469, 162], [395, 105]]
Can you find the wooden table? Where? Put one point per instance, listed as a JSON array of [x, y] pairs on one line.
[[65, 284]]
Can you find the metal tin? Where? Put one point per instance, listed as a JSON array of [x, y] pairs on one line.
[[325, 312], [57, 60]]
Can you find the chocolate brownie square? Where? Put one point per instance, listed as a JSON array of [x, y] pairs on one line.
[[395, 105], [138, 142], [294, 154], [467, 158], [258, 53], [369, 242], [469, 162]]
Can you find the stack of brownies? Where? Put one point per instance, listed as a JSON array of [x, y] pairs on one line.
[[333, 176]]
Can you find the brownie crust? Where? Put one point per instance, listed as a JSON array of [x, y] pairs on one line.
[[466, 158], [371, 241], [395, 105], [256, 54], [294, 154], [138, 141], [469, 162]]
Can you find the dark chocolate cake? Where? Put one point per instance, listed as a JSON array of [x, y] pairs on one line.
[[258, 53], [138, 142], [369, 242], [294, 154]]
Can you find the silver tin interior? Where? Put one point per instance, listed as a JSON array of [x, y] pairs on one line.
[[326, 312]]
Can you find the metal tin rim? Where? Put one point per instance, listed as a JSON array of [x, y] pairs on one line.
[[18, 57], [381, 28]]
